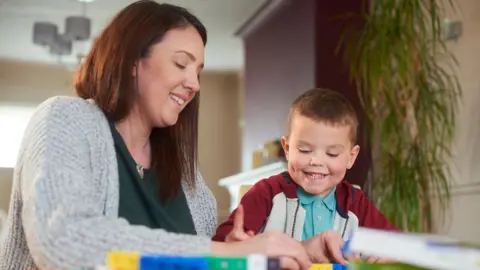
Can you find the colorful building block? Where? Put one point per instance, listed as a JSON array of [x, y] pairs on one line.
[[328, 266], [253, 262], [120, 260], [157, 262], [225, 263]]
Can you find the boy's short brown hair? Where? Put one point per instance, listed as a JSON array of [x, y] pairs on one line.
[[327, 106]]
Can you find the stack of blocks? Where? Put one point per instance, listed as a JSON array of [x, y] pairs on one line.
[[135, 261]]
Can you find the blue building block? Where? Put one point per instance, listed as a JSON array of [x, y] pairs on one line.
[[337, 266], [159, 262]]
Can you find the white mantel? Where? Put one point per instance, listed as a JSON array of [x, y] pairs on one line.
[[234, 182]]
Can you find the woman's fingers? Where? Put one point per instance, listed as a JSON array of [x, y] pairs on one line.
[[299, 252], [275, 244], [333, 243], [284, 246], [289, 263]]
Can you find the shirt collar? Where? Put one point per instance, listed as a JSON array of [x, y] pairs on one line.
[[306, 198]]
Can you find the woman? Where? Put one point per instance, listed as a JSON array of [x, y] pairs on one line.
[[116, 167]]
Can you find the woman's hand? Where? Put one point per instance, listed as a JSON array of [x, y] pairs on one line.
[[238, 232], [273, 244], [324, 247]]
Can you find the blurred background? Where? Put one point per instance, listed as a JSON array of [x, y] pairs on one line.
[[261, 54]]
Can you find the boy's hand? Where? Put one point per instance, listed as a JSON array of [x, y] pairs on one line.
[[324, 247], [375, 259], [371, 259], [238, 233], [353, 257]]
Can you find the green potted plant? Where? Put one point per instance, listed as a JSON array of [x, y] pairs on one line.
[[409, 91]]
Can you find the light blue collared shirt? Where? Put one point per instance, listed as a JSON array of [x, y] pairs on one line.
[[320, 212]]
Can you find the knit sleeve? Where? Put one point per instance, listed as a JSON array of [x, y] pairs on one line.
[[63, 210], [204, 208]]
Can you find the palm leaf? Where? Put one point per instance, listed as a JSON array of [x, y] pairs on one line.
[[408, 88]]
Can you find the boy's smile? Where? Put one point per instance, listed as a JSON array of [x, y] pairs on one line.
[[318, 154], [313, 176]]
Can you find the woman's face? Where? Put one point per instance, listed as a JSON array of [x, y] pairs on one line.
[[168, 78]]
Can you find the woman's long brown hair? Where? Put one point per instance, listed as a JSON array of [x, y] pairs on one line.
[[106, 77]]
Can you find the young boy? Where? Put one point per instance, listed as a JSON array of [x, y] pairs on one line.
[[312, 196]]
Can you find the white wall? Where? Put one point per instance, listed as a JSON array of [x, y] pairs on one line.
[[463, 217]]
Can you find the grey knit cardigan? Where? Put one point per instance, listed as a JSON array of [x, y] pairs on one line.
[[64, 206]]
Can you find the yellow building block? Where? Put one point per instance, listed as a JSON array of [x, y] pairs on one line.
[[120, 260], [318, 266]]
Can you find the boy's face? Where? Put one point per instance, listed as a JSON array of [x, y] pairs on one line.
[[318, 154]]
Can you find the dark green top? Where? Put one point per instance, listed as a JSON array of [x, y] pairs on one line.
[[139, 197]]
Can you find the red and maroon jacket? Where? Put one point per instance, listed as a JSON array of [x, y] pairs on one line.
[[273, 204]]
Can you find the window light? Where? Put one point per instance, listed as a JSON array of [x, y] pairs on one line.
[[13, 121]]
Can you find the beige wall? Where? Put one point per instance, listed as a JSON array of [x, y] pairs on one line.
[[5, 187], [463, 217], [219, 135], [28, 83], [219, 138], [31, 82]]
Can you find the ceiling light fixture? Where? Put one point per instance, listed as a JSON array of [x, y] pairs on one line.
[[77, 28]]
